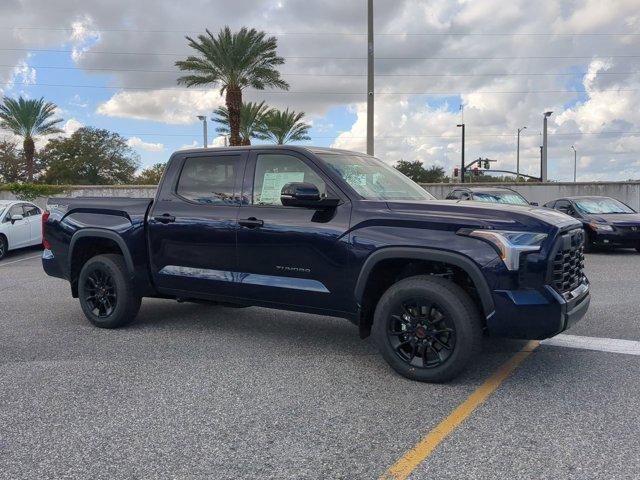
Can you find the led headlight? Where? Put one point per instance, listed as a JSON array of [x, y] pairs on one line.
[[601, 227], [510, 244]]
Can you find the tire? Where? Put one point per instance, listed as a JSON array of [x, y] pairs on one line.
[[4, 246], [106, 293], [452, 320]]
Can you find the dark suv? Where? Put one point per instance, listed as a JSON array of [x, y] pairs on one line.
[[330, 232]]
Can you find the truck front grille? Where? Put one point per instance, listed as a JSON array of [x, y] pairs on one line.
[[568, 262]]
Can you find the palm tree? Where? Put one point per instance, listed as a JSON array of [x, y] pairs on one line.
[[286, 126], [28, 119], [251, 121], [246, 58]]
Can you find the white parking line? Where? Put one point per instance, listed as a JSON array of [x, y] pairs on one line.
[[19, 260], [613, 345]]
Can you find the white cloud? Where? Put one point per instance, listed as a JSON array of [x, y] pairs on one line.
[[83, 37], [70, 126], [137, 142], [167, 106]]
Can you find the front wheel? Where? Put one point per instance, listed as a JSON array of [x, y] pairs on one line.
[[106, 292], [427, 328]]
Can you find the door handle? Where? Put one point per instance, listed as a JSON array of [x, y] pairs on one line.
[[251, 222], [165, 218]]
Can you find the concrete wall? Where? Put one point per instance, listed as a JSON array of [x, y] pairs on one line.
[[129, 191], [627, 192]]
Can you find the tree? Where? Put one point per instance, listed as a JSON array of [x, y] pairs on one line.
[[415, 171], [150, 175], [252, 121], [91, 156], [234, 61], [29, 119], [286, 126], [13, 167]]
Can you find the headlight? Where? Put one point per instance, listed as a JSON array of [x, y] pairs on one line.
[[510, 244], [600, 227]]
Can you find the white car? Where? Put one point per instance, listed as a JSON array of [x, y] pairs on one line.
[[20, 225]]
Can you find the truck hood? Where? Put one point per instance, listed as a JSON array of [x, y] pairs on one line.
[[487, 215]]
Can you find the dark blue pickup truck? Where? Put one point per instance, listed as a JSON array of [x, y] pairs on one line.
[[331, 232]]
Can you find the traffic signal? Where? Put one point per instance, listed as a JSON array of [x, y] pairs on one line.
[[486, 164], [456, 172], [476, 172]]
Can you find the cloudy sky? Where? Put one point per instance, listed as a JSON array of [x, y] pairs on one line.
[[110, 65]]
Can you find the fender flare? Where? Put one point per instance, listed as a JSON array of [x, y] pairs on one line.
[[433, 255], [101, 233]]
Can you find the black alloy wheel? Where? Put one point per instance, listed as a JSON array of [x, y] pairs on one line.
[[101, 295], [421, 334]]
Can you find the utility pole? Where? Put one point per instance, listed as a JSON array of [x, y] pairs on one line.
[[518, 154], [462, 156], [369, 77], [575, 163], [205, 141], [544, 147]]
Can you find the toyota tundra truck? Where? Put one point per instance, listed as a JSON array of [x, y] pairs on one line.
[[328, 232]]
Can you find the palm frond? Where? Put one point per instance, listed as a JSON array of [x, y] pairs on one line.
[[28, 118], [286, 126]]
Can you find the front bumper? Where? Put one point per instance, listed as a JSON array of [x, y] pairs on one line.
[[617, 238], [536, 314]]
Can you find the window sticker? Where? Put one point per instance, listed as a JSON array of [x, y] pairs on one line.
[[273, 182]]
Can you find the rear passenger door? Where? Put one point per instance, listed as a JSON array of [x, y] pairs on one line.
[[192, 225], [291, 255], [33, 215]]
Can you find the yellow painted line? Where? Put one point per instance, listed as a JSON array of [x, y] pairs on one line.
[[410, 460]]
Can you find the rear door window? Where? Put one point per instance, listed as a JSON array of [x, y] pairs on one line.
[[210, 180]]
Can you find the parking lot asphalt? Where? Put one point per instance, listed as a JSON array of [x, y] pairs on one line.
[[194, 391]]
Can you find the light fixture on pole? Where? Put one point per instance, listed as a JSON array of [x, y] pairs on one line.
[[543, 167], [575, 163], [518, 154], [461, 125], [205, 141]]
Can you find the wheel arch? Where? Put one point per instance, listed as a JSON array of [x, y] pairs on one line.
[[430, 256], [91, 242]]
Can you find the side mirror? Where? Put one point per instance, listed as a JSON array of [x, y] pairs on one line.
[[303, 194], [15, 218], [534, 204]]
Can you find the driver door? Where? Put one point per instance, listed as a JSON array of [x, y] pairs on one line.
[[291, 255]]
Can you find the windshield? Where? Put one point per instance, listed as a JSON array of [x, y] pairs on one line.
[[602, 206], [500, 197], [374, 179]]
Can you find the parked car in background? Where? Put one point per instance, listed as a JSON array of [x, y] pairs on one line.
[[20, 225], [501, 195], [607, 221]]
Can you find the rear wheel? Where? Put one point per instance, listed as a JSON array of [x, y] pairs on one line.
[[3, 246], [427, 328], [106, 292]]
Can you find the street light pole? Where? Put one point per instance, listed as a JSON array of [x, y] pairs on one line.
[[575, 163], [205, 140], [370, 77], [462, 156], [544, 146], [518, 154]]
